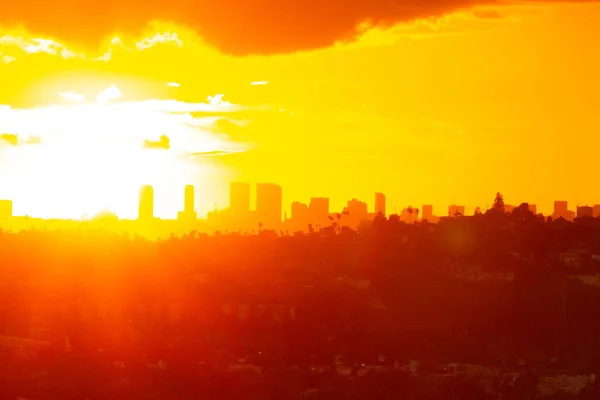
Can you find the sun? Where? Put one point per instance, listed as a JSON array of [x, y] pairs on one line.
[[94, 156]]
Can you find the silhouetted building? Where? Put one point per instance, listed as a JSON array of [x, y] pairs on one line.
[[409, 215], [532, 208], [455, 210], [189, 213], [239, 198], [561, 207], [427, 212], [300, 216], [597, 210], [188, 202], [561, 210], [585, 211], [379, 203], [318, 211], [146, 204], [6, 209], [357, 211], [269, 205]]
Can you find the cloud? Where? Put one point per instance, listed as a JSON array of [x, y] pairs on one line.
[[10, 138], [173, 84], [159, 38], [118, 126], [110, 93], [215, 104], [234, 26], [13, 139], [37, 45], [71, 96], [163, 143], [213, 153]]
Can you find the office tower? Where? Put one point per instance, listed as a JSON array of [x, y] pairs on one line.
[[561, 210], [188, 202], [239, 198], [455, 210], [146, 205], [188, 214], [6, 209], [585, 211], [300, 218], [560, 207], [269, 205], [318, 211], [427, 213], [379, 204], [357, 212], [532, 208]]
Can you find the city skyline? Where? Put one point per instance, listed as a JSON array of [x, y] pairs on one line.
[[400, 108], [266, 203]]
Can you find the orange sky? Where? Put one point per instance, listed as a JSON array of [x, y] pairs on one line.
[[440, 111]]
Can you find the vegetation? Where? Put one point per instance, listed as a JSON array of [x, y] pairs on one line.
[[127, 318]]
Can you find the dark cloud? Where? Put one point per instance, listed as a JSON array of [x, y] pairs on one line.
[[234, 26]]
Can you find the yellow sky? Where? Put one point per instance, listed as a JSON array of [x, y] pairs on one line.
[[432, 112]]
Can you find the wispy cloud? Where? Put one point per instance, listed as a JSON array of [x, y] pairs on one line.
[[7, 59], [12, 46], [166, 37], [72, 96], [10, 138], [257, 83], [173, 84], [108, 94], [213, 153], [38, 45], [126, 123], [214, 104], [163, 143]]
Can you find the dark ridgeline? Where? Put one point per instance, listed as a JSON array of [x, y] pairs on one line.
[[391, 311]]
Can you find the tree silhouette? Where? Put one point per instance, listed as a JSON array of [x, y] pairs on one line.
[[498, 203]]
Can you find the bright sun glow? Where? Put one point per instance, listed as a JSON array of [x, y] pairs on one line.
[[76, 160]]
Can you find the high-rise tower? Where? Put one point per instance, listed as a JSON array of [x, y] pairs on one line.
[[146, 204]]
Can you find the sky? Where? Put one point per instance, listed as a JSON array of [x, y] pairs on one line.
[[444, 102]]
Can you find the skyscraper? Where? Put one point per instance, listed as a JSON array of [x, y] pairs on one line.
[[188, 214], [318, 211], [427, 213], [585, 211], [6, 209], [357, 212], [561, 210], [379, 204], [532, 208], [300, 219], [239, 199], [561, 207], [188, 202], [146, 204], [269, 205]]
